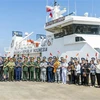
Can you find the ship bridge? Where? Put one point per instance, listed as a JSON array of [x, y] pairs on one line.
[[68, 25]]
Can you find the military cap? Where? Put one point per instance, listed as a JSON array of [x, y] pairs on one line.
[[38, 58], [19, 58], [61, 57], [26, 58], [92, 58], [72, 58], [54, 57], [82, 58], [31, 57], [44, 57], [69, 63], [11, 59], [75, 58], [50, 57]]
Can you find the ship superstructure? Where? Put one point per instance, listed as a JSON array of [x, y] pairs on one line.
[[72, 36], [24, 46]]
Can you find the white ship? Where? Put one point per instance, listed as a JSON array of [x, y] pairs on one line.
[[24, 46], [66, 36], [71, 35]]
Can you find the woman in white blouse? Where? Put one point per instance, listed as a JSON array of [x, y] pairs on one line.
[[98, 72], [64, 66]]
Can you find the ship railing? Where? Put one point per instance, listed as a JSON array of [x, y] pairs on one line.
[[58, 20]]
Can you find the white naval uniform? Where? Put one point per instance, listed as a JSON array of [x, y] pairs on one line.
[[43, 67], [64, 72]]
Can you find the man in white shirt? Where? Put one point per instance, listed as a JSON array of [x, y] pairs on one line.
[[64, 66]]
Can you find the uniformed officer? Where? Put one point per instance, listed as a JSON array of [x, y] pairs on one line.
[[11, 66], [37, 69], [5, 69], [25, 69], [50, 69], [43, 67], [31, 69], [93, 58], [64, 66], [18, 69]]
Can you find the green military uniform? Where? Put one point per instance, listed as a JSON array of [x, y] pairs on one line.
[[37, 70], [5, 69], [25, 70], [31, 70], [11, 70]]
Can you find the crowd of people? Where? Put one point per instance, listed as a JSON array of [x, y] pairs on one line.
[[51, 70]]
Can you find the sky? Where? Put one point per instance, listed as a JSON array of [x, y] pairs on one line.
[[30, 15]]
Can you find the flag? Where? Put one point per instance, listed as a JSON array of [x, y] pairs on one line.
[[96, 54], [66, 56], [50, 54], [49, 8], [58, 52], [87, 55], [50, 15], [77, 54], [23, 56]]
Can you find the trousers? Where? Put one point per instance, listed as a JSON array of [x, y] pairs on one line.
[[18, 73], [31, 74], [98, 78], [25, 75], [37, 74], [43, 75], [92, 77], [64, 76], [11, 74], [50, 76], [57, 76]]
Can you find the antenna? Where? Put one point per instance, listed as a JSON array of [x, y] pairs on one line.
[[55, 2]]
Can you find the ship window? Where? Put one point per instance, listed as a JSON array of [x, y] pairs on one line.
[[59, 35], [77, 39], [86, 29], [68, 30]]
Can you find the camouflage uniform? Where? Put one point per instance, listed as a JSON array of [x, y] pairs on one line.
[[11, 66], [37, 69], [25, 69], [31, 69]]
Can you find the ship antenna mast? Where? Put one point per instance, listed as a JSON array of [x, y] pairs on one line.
[[55, 2]]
